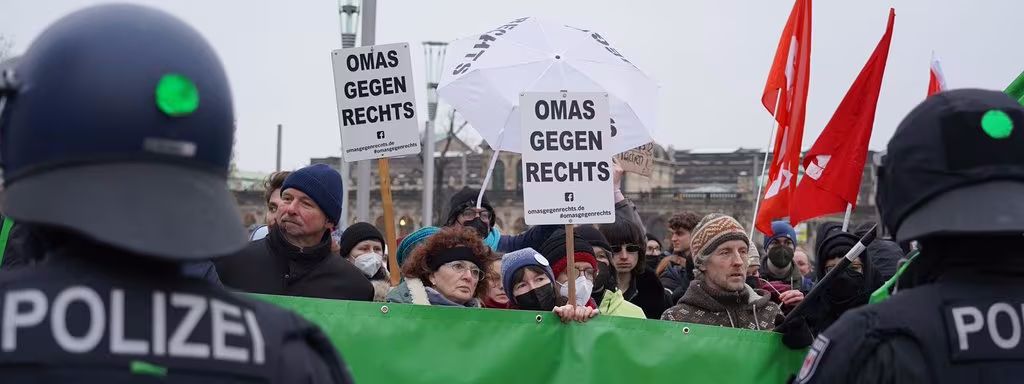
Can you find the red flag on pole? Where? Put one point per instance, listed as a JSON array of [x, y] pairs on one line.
[[835, 163], [785, 96], [936, 81]]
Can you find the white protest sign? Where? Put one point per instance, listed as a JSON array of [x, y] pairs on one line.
[[638, 160], [376, 101], [567, 158]]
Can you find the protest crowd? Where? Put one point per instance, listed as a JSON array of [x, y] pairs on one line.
[[713, 270]]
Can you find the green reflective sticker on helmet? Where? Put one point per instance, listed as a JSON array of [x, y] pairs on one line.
[[997, 124], [176, 95]]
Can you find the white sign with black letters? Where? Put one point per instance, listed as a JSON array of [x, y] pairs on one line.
[[376, 102], [567, 158]]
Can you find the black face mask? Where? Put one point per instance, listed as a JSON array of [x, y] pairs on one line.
[[848, 289], [538, 299], [753, 282], [604, 281], [480, 226], [780, 257]]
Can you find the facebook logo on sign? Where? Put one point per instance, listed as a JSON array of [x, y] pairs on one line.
[[380, 134], [569, 196]]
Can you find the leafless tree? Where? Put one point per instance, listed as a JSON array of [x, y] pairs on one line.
[[6, 47], [455, 125]]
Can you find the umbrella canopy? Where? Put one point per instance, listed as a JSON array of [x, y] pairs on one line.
[[485, 73]]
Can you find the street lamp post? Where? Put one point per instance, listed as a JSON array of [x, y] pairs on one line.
[[434, 59], [348, 15]]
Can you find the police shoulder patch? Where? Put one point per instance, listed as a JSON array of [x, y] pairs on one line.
[[813, 357]]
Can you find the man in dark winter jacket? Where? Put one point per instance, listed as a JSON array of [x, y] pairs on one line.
[[295, 258]]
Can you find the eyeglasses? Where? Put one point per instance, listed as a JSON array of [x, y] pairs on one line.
[[633, 248], [460, 267], [470, 213]]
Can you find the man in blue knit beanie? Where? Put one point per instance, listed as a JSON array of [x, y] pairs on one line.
[[295, 257]]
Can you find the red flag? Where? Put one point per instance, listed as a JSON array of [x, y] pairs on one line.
[[936, 80], [835, 163], [785, 96]]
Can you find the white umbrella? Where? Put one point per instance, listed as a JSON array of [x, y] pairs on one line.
[[485, 73]]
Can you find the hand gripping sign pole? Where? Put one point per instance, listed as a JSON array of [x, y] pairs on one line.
[[377, 114], [389, 219]]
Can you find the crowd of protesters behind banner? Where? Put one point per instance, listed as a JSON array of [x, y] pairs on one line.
[[709, 271]]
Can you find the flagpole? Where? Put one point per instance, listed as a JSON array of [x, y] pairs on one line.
[[764, 164], [846, 219]]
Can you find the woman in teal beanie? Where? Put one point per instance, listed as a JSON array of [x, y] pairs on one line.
[[410, 242]]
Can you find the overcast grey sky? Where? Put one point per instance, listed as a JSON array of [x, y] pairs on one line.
[[711, 57]]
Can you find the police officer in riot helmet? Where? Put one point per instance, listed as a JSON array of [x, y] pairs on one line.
[[952, 180], [115, 140]]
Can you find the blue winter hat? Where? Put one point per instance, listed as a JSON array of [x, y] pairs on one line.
[[412, 240], [322, 184], [780, 229], [514, 261]]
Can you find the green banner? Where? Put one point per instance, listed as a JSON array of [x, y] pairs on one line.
[[402, 343]]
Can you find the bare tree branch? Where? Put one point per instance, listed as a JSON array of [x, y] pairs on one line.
[[6, 47]]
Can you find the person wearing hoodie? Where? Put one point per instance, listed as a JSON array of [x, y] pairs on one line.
[[720, 295], [363, 245], [885, 254], [529, 284], [464, 213], [606, 291], [851, 289], [778, 265], [638, 284]]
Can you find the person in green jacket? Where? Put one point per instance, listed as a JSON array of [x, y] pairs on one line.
[[606, 291]]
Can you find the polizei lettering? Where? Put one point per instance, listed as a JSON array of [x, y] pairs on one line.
[[80, 320], [566, 141], [391, 85], [986, 332], [483, 43]]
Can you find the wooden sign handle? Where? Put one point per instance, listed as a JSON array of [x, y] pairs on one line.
[[389, 219]]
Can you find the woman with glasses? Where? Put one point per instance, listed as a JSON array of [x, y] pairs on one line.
[[446, 270], [638, 284]]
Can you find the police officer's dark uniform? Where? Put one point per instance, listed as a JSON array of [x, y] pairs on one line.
[[115, 139], [953, 179]]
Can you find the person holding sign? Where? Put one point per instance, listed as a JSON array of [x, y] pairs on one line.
[[529, 284], [554, 250], [463, 213]]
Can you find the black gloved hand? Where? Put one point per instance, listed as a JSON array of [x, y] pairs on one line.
[[796, 334]]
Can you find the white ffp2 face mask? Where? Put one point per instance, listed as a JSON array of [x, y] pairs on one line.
[[584, 287], [369, 263]]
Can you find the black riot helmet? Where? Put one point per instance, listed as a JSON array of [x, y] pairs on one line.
[[955, 166], [117, 124]]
